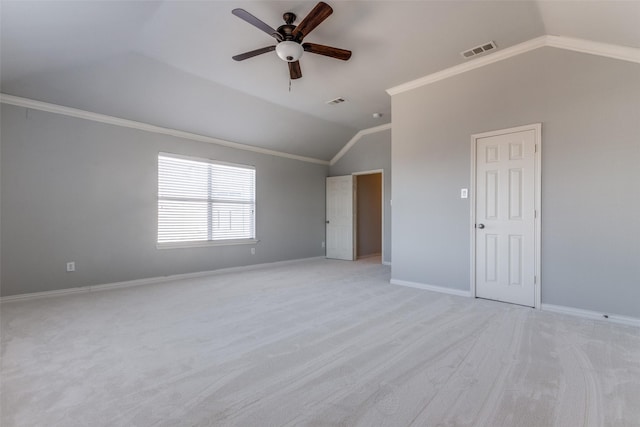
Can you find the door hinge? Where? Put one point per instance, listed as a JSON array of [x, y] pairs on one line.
[[535, 279], [535, 148]]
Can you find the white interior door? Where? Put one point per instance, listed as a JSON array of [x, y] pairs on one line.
[[340, 217], [505, 217]]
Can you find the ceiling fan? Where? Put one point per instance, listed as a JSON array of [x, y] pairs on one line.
[[289, 46]]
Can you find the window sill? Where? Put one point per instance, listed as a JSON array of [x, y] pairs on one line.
[[178, 245]]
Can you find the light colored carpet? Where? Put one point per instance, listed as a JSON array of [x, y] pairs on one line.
[[314, 343]]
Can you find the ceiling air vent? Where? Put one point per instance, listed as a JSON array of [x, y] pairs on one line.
[[336, 101], [479, 50]]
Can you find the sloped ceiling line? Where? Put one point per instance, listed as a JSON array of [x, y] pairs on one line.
[[622, 53], [356, 138], [577, 45], [103, 118]]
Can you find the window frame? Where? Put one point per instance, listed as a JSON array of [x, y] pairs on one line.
[[205, 243]]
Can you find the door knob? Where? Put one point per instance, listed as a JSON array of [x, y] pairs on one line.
[[481, 226]]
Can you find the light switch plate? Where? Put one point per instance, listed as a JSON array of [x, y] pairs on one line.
[[464, 193]]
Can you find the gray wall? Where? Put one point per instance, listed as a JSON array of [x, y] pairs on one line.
[[371, 152], [77, 190], [369, 214], [589, 107]]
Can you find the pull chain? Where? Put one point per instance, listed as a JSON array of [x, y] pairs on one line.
[[289, 84]]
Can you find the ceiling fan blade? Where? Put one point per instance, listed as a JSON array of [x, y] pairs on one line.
[[253, 53], [246, 16], [332, 52], [294, 70], [312, 20]]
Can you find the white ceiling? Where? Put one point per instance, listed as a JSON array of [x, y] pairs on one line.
[[169, 63]]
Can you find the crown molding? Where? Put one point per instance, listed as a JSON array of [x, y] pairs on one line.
[[470, 65], [356, 138], [622, 53], [116, 121]]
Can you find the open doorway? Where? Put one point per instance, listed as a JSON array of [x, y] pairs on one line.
[[369, 215]]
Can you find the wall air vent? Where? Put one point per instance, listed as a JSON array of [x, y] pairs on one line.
[[336, 101], [478, 50]]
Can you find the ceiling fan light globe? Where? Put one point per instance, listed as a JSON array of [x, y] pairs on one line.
[[289, 51]]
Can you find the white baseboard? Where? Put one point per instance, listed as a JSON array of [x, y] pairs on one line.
[[386, 262], [147, 281], [588, 314], [425, 287]]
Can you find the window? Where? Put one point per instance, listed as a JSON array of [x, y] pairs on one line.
[[202, 201]]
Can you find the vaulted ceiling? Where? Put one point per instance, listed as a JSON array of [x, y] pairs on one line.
[[168, 63]]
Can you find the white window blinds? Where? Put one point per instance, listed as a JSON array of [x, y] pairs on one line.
[[200, 200]]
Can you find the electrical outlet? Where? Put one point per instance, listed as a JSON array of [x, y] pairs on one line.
[[253, 251], [71, 266], [323, 244], [464, 193]]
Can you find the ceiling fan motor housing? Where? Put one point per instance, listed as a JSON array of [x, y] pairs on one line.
[[289, 51]]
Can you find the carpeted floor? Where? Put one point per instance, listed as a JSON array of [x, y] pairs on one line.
[[312, 343]]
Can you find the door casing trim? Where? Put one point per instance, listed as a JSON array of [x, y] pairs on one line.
[[537, 128]]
